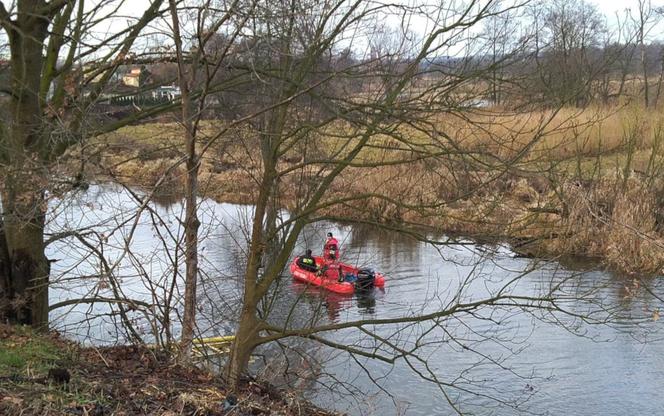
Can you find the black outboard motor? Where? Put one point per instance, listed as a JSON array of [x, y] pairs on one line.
[[365, 279]]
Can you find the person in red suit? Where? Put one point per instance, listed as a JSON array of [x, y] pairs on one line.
[[331, 248]]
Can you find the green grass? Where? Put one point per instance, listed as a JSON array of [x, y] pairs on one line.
[[11, 359], [27, 350]]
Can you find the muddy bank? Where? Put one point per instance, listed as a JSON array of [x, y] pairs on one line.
[[47, 375]]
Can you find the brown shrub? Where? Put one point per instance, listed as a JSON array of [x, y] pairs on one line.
[[613, 222], [633, 244]]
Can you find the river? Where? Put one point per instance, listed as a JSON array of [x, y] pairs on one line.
[[498, 360]]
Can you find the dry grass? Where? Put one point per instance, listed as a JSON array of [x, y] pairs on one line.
[[555, 135], [619, 221], [616, 222], [591, 184]]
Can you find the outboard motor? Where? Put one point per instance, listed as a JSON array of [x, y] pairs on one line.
[[365, 279]]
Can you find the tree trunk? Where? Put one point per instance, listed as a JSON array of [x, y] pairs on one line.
[[249, 326], [26, 268], [659, 85], [644, 14], [191, 222], [25, 288], [644, 64], [245, 341], [5, 281], [191, 242]]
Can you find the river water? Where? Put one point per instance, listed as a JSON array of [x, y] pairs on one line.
[[601, 355]]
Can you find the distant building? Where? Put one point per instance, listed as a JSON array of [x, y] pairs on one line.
[[137, 77], [166, 92], [137, 85]]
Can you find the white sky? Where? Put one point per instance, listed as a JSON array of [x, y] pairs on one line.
[[607, 7], [610, 7], [418, 25], [134, 8]]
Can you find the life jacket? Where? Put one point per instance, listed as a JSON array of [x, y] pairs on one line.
[[308, 260], [307, 263]]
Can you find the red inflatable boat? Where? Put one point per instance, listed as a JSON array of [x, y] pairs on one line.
[[354, 278]]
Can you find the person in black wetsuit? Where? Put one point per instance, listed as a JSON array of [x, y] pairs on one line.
[[307, 262]]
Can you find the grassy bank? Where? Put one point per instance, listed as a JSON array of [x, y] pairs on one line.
[[591, 185], [46, 375]]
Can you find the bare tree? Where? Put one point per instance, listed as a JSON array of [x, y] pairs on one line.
[[500, 31], [191, 188], [197, 71], [645, 20], [565, 44], [47, 45]]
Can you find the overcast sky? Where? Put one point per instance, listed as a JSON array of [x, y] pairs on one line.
[[611, 6], [134, 8], [608, 7]]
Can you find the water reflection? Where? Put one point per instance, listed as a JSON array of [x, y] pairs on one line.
[[334, 303], [366, 300], [385, 244]]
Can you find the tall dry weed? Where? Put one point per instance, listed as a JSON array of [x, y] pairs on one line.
[[614, 221], [633, 244]]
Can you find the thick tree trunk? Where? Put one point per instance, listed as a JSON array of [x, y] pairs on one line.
[[659, 86], [644, 65], [249, 326], [26, 268], [25, 288], [644, 16]]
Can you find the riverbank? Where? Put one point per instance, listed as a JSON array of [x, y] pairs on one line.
[[44, 374], [598, 193]]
